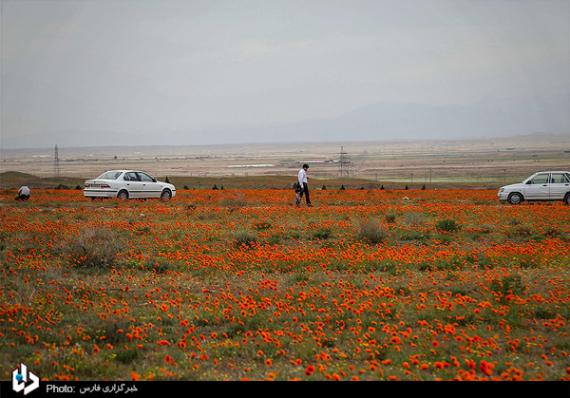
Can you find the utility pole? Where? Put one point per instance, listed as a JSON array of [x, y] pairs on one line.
[[343, 163], [56, 170]]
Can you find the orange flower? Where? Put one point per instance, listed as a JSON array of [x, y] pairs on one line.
[[347, 306], [486, 367]]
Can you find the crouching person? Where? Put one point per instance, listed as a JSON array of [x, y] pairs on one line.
[[23, 193]]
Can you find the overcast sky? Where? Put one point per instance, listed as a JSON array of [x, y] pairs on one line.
[[122, 72]]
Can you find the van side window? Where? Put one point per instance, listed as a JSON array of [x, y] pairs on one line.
[[540, 179], [559, 178]]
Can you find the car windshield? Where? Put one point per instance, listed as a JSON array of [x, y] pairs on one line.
[[110, 175]]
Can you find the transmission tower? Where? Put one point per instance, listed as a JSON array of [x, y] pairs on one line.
[[343, 163], [56, 162]]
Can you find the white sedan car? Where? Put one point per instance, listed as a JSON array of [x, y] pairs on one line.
[[125, 184], [545, 185]]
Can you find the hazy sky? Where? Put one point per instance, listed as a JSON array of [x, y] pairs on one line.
[[109, 72]]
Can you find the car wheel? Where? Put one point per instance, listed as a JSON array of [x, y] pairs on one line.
[[567, 198], [123, 195], [515, 198], [166, 195]]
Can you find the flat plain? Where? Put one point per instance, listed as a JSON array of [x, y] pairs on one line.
[[445, 163]]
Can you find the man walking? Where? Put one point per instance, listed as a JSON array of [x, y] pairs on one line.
[[303, 186]]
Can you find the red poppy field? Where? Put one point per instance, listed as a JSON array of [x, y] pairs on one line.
[[240, 284]]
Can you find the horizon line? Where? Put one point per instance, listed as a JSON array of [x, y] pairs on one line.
[[360, 141]]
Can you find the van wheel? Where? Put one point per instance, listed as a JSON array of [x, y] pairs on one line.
[[515, 198], [166, 195], [123, 195], [567, 198]]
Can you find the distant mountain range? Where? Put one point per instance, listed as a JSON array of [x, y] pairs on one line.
[[382, 121], [393, 121]]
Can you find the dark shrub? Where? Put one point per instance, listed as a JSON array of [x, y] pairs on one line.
[[245, 238], [447, 226], [322, 233], [511, 284]]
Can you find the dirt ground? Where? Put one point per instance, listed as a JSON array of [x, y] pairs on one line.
[[485, 162]]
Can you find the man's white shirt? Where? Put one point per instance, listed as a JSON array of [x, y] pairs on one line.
[[302, 177], [24, 191]]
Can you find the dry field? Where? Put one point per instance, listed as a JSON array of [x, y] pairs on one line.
[[485, 163]]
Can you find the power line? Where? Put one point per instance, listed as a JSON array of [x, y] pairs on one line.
[[56, 169], [344, 163]]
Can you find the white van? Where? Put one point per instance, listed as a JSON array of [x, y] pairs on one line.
[[544, 185]]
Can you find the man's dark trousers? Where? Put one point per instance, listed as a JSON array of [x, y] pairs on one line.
[[305, 192]]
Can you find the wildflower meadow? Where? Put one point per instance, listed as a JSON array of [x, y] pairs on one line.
[[243, 285]]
